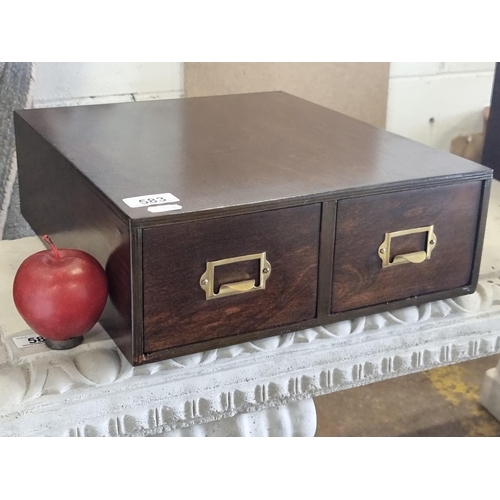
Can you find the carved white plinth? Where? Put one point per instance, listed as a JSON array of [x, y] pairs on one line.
[[93, 391], [490, 391], [297, 419]]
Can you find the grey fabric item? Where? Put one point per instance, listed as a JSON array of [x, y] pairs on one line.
[[16, 225], [15, 82]]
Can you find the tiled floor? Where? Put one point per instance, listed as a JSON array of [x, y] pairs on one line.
[[439, 402]]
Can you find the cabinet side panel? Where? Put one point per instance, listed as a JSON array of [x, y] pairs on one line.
[[137, 296], [57, 200], [481, 229]]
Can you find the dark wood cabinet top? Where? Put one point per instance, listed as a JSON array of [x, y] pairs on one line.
[[231, 151]]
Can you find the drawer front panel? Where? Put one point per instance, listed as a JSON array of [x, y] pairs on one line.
[[188, 301], [399, 245]]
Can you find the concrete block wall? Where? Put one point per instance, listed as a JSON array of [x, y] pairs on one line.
[[70, 84], [433, 102]]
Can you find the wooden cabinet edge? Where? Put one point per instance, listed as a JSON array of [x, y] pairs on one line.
[[325, 320], [330, 196], [481, 229]]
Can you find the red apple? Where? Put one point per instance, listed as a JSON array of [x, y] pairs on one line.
[[60, 293]]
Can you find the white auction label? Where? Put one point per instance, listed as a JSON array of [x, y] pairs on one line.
[[28, 341], [164, 208], [150, 199]]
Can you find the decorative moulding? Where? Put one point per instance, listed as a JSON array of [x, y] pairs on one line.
[[93, 390]]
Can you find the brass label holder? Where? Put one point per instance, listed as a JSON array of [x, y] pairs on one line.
[[207, 278], [384, 250]]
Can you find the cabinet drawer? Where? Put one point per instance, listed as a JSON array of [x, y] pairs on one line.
[[400, 245], [198, 276]]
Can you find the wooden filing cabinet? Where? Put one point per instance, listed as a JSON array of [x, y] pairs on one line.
[[251, 215]]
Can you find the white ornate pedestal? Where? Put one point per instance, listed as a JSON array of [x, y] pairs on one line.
[[261, 388]]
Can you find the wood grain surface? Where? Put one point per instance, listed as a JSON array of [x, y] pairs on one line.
[[358, 277], [176, 311]]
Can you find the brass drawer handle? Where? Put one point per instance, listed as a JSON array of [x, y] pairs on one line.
[[240, 287], [384, 250], [207, 278]]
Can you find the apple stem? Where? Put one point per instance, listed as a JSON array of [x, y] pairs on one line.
[[55, 251]]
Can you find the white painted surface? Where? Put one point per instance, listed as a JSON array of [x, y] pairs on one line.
[[297, 419], [453, 94], [76, 83], [92, 390], [401, 69], [490, 391]]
